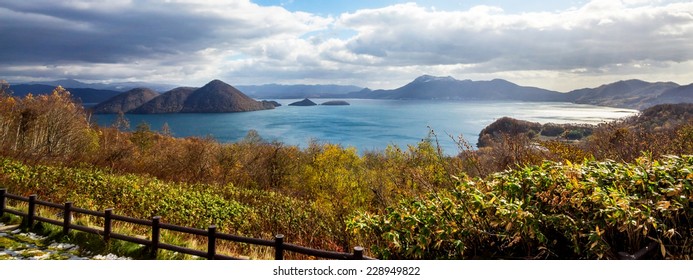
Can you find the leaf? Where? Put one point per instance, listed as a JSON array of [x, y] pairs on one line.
[[662, 249]]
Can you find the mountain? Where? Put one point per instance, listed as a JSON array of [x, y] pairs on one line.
[[125, 101], [82, 95], [448, 88], [682, 94], [215, 97], [635, 94], [219, 97], [296, 91], [168, 102]]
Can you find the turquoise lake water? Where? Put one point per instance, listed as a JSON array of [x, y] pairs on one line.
[[371, 124]]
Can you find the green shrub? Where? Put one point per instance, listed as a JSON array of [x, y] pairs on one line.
[[587, 211]]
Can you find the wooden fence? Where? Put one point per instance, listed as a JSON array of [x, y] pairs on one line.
[[156, 226]]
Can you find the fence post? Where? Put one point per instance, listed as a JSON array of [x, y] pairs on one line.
[[67, 217], [279, 247], [211, 242], [2, 201], [155, 237], [358, 253], [107, 224], [32, 211]]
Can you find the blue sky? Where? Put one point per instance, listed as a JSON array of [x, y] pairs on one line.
[[342, 6], [559, 45]]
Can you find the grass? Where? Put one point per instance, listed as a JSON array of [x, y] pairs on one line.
[[92, 244]]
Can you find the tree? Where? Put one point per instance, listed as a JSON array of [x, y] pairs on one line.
[[143, 136], [166, 130], [121, 122], [5, 88]]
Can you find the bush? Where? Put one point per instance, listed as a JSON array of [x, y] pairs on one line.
[[588, 211], [552, 130]]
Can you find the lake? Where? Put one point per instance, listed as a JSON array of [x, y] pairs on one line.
[[371, 124]]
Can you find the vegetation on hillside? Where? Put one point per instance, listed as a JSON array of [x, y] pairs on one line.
[[517, 197], [592, 210]]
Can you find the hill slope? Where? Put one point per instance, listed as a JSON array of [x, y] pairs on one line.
[[126, 101], [635, 94], [168, 102]]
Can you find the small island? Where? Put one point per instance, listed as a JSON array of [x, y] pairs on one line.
[[274, 103], [304, 102], [336, 103]]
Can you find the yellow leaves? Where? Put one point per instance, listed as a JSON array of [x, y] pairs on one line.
[[663, 205]]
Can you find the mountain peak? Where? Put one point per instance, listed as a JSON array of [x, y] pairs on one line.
[[429, 78], [216, 83]]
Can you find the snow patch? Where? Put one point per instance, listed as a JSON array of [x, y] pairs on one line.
[[32, 236], [110, 257], [63, 246]]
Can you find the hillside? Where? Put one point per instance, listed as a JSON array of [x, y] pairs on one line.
[[125, 102], [219, 97], [655, 118], [682, 94], [634, 94], [168, 102], [616, 191]]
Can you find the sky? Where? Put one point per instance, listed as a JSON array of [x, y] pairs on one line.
[[380, 44]]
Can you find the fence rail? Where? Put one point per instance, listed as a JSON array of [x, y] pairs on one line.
[[154, 243]]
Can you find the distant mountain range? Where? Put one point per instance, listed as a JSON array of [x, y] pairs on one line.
[[635, 94], [448, 88], [119, 87], [82, 95], [221, 97]]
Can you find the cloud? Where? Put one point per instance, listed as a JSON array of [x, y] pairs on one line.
[[76, 34], [599, 34], [191, 42]]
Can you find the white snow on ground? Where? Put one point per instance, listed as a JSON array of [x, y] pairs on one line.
[[109, 257], [32, 236], [63, 246], [63, 250]]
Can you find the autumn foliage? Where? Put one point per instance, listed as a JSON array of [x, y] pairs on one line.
[[522, 195]]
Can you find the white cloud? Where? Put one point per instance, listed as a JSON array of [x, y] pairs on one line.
[[191, 42]]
